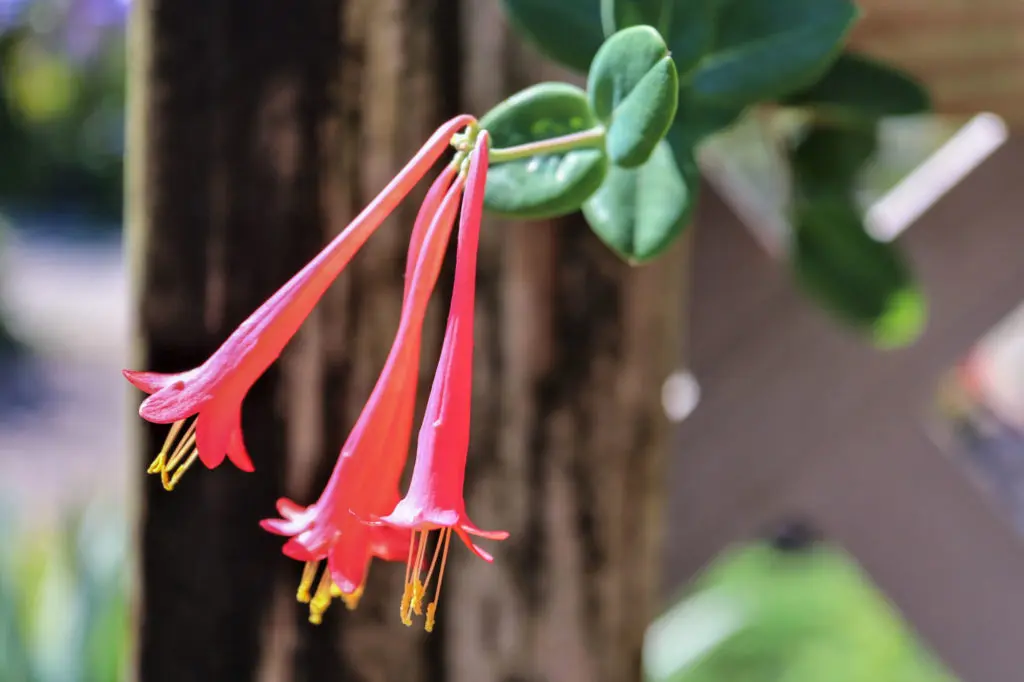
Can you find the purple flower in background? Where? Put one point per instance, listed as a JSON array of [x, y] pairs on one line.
[[89, 24], [78, 28], [12, 13]]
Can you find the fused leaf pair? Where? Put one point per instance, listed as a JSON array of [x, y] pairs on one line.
[[725, 57], [728, 57], [628, 106]]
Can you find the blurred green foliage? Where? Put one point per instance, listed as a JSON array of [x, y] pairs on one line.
[[62, 112], [763, 615], [63, 602]]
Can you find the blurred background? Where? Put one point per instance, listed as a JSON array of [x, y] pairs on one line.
[[790, 607], [63, 337]]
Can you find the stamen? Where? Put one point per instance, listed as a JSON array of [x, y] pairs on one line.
[[417, 586], [406, 601], [430, 573], [432, 606], [171, 468], [159, 462], [322, 599], [412, 552], [180, 471], [413, 587], [308, 573], [352, 600]]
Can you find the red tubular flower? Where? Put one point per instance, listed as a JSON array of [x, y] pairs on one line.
[[435, 497], [214, 391], [365, 479]]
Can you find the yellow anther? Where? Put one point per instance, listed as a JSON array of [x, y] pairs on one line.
[[445, 540], [172, 462], [308, 573], [417, 597], [158, 464], [406, 602], [321, 600], [352, 600], [431, 610]]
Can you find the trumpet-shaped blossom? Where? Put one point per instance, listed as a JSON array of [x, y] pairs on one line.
[[435, 499], [213, 392], [365, 479]]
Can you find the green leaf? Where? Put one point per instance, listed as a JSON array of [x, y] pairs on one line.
[[765, 50], [567, 31], [687, 25], [861, 280], [858, 86], [547, 185], [828, 161], [639, 212], [690, 33], [619, 14], [696, 120], [634, 91]]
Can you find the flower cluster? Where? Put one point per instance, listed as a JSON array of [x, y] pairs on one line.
[[361, 513]]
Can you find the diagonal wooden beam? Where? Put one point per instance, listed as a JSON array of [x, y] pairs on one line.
[[970, 53], [800, 417]]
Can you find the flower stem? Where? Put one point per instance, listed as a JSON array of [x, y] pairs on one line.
[[585, 139]]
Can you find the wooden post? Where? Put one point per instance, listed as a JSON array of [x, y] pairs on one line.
[[259, 128]]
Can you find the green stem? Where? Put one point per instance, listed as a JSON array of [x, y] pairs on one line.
[[585, 139]]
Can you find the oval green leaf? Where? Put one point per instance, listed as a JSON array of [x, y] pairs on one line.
[[861, 87], [690, 33], [828, 161], [696, 120], [547, 185], [638, 212], [634, 90], [619, 14], [765, 50], [864, 282], [567, 31], [687, 25]]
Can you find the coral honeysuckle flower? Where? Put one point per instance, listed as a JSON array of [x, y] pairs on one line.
[[365, 479], [213, 392], [435, 497]]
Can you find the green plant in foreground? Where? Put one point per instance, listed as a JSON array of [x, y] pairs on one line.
[[63, 601], [761, 615]]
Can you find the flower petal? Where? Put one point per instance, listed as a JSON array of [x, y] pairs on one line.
[[213, 431], [293, 549], [349, 558], [237, 452], [289, 509], [472, 546], [171, 403], [469, 527], [389, 544], [150, 382]]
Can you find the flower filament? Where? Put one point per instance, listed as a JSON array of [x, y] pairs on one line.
[[416, 589], [176, 455]]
